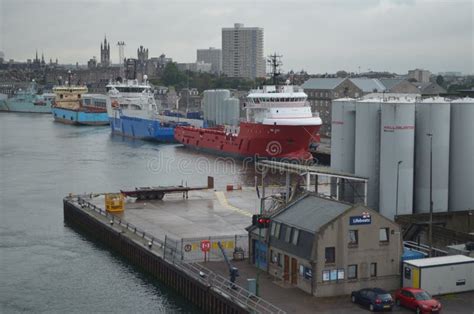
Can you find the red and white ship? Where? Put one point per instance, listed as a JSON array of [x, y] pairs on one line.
[[279, 124]]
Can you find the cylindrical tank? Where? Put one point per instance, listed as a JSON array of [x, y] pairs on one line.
[[343, 144], [367, 148], [397, 144], [461, 157], [343, 135], [432, 117], [232, 111]]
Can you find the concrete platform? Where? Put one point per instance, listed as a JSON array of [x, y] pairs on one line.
[[206, 213]]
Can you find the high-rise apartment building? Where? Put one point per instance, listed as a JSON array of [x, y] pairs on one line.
[[242, 51], [212, 56]]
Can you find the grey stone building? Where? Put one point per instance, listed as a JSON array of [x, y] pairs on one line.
[[329, 248], [212, 56], [321, 92], [399, 86]]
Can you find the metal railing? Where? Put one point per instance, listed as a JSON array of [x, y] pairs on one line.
[[169, 249]]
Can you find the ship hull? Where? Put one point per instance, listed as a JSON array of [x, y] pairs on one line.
[[253, 141], [77, 117], [25, 106], [143, 129]]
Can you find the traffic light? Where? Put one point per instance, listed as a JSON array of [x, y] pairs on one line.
[[260, 221]]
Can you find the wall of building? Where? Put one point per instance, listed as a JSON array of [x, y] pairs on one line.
[[368, 250]]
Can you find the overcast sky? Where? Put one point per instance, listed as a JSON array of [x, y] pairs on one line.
[[316, 35]]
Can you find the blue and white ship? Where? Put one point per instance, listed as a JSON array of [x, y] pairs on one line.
[[73, 106], [133, 112], [28, 101]]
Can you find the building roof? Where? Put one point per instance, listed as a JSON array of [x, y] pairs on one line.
[[389, 83], [368, 85], [441, 260], [322, 83], [430, 88], [311, 212]]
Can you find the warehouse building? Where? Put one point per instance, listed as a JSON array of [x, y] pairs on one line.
[[329, 248]]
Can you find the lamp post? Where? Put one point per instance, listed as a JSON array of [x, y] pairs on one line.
[[398, 179], [430, 235]]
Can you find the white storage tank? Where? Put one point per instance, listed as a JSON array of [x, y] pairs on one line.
[[397, 144], [343, 144], [461, 163], [343, 135], [367, 147], [432, 117], [232, 111]]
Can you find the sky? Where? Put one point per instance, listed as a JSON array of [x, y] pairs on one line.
[[318, 36]]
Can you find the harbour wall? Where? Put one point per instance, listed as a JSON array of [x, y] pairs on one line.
[[200, 288]]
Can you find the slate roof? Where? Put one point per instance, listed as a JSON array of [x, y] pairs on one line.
[[311, 212], [368, 85], [389, 83], [322, 83]]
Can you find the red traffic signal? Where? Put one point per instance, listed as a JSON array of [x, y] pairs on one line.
[[260, 221]]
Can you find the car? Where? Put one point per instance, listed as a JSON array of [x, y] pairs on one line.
[[417, 299], [375, 298]]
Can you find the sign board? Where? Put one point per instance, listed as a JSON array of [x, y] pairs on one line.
[[205, 245], [364, 219]]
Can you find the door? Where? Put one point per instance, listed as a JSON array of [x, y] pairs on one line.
[[416, 277], [294, 271], [286, 268]]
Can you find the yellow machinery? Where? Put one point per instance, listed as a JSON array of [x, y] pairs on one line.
[[114, 202]]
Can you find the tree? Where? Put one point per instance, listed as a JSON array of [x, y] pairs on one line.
[[440, 80], [172, 75]]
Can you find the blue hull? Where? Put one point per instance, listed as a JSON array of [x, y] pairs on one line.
[[80, 117], [142, 129]]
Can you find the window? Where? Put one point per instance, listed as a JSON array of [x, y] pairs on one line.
[[373, 269], [277, 231], [383, 235], [407, 273], [330, 254], [352, 272], [296, 234], [272, 232], [274, 257], [279, 260], [287, 234], [353, 237]]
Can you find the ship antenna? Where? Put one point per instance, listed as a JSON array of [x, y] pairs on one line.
[[275, 63]]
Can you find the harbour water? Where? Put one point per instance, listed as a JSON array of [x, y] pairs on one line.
[[45, 266]]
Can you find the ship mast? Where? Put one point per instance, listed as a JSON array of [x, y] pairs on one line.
[[274, 61]]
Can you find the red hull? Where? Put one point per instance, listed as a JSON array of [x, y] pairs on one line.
[[254, 140]]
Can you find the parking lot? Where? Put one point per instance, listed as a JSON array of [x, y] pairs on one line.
[[294, 300]]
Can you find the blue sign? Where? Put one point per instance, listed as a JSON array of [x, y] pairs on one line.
[[364, 219]]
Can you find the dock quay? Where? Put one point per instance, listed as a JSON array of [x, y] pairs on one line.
[[162, 238]]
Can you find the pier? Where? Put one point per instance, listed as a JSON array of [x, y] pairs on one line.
[[148, 236]]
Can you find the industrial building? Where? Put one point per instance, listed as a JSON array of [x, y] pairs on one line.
[[390, 138], [220, 108], [328, 248]]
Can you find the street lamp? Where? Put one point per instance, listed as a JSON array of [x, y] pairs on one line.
[[398, 179], [431, 194]]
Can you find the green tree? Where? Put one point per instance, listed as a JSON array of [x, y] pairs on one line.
[[440, 80]]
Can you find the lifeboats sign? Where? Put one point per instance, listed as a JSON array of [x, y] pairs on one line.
[[364, 219]]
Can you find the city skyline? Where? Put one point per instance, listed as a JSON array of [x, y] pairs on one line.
[[319, 37]]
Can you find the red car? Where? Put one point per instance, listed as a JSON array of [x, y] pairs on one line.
[[418, 300]]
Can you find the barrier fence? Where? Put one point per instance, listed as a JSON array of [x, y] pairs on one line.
[[173, 252]]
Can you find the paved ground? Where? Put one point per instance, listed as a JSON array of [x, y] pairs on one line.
[[205, 213], [294, 300]]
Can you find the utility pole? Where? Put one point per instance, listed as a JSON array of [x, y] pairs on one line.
[[431, 194]]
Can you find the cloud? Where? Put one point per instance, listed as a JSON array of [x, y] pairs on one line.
[[319, 36]]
